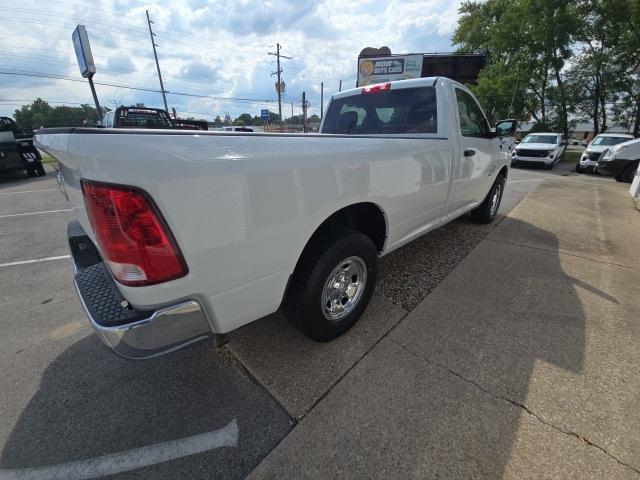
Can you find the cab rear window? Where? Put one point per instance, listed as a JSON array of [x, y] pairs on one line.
[[408, 110]]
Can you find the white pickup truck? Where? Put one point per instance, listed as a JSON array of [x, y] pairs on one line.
[[182, 236]]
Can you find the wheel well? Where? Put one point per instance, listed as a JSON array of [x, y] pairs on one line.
[[366, 218], [504, 172]]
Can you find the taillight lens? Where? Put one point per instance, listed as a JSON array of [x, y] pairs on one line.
[[132, 235], [376, 88]]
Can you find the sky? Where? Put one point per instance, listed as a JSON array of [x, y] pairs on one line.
[[216, 51]]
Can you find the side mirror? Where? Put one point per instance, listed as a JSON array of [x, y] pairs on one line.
[[506, 128]]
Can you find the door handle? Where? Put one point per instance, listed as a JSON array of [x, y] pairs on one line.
[[469, 152]]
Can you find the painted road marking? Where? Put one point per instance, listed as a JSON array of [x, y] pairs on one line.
[[25, 262], [31, 191], [130, 459], [35, 213]]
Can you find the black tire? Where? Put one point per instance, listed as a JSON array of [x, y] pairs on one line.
[[549, 167], [579, 168], [628, 173], [304, 305], [488, 209], [39, 168], [31, 171]]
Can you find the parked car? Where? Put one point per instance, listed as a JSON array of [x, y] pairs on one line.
[[236, 128], [183, 236], [542, 149], [620, 161], [589, 159], [17, 151]]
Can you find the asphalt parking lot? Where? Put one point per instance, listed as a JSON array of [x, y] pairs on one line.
[[71, 409]]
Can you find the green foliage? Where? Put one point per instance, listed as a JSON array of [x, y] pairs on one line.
[[555, 61], [41, 114]]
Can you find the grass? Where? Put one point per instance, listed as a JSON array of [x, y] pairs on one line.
[[572, 156], [46, 158]]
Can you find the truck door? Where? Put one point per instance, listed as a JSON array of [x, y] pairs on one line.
[[473, 174]]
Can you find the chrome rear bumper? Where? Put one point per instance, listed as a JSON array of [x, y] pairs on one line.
[[131, 333]]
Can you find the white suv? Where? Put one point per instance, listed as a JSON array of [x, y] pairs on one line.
[[544, 149], [589, 159]]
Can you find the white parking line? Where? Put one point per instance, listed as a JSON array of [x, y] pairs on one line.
[[30, 191], [25, 262], [131, 459], [35, 213]]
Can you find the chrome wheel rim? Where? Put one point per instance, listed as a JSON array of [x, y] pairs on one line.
[[344, 288], [495, 200]]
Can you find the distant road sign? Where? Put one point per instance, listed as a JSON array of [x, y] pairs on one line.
[[264, 114], [83, 51]]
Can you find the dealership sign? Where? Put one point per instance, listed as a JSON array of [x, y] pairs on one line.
[[387, 69], [83, 51]]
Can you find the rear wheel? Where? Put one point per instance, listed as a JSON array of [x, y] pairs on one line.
[[332, 284], [487, 210], [31, 171]]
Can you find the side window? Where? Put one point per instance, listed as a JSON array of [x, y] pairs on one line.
[[472, 121]]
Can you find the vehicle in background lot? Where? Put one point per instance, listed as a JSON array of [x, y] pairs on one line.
[[577, 142], [137, 117], [589, 159], [620, 161], [185, 236], [542, 149], [184, 124], [17, 151], [237, 129]]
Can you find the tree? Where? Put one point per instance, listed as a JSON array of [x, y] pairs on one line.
[[217, 122], [41, 114], [245, 118]]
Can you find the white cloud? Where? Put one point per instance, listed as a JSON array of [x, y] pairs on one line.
[[214, 48]]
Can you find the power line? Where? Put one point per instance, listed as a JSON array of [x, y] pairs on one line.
[[143, 89]]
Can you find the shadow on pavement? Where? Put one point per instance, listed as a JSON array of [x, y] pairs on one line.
[[91, 403], [444, 395]]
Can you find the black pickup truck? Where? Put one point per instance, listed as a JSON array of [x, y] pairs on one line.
[[17, 151]]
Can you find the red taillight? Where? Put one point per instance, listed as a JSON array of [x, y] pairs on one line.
[[376, 88], [133, 238]]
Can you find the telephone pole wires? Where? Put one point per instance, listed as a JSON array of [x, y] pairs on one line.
[[155, 54], [280, 85]]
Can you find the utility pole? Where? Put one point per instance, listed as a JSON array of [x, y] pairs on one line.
[[280, 84], [340, 86], [304, 112], [155, 54], [292, 110], [321, 100]]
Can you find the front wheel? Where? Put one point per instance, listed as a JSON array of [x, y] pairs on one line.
[[488, 209], [628, 173], [332, 284]]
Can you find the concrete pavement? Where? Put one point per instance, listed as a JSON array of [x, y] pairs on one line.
[[523, 363]]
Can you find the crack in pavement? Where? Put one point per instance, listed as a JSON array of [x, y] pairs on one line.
[[516, 404], [561, 252]]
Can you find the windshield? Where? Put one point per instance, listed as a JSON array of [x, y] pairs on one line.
[[608, 141], [540, 139], [408, 110]]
